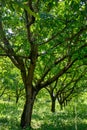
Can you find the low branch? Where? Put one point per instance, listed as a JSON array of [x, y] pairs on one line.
[[9, 55], [18, 62], [55, 77], [49, 68]]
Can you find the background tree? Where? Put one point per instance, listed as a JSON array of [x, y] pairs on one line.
[[11, 84], [71, 84], [42, 38]]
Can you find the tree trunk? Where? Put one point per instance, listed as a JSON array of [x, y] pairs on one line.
[[27, 111], [53, 99], [17, 98], [61, 106]]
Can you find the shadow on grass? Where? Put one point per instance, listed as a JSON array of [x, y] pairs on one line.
[[9, 124], [13, 124], [62, 127], [43, 120], [6, 108], [9, 116], [61, 121]]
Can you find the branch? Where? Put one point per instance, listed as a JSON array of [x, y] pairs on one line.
[[71, 90], [55, 77], [7, 47], [29, 20], [36, 9], [53, 37], [3, 92], [18, 62], [72, 81], [77, 34], [10, 55], [49, 68]]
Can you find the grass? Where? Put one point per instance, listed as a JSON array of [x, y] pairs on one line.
[[42, 118]]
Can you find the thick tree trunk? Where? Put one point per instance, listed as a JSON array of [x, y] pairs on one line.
[[53, 99], [27, 111]]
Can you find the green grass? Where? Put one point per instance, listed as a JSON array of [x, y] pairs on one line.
[[43, 119]]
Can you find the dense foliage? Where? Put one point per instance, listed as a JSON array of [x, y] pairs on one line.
[[47, 43]]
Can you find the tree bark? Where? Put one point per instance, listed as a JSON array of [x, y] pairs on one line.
[[28, 109], [53, 99], [17, 98]]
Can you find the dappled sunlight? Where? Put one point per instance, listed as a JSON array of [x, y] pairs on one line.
[[43, 64], [43, 118]]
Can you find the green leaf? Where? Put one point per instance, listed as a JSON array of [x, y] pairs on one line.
[[24, 6], [28, 10]]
